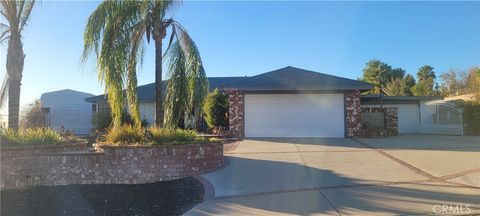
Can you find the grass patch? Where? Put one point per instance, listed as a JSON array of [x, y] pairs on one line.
[[34, 136]]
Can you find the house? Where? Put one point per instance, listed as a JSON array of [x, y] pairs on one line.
[[288, 102], [420, 114], [67, 110], [293, 102]]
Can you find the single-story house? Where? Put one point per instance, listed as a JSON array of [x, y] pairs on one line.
[[288, 102], [67, 109], [420, 114]]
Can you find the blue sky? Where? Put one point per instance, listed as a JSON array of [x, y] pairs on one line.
[[248, 38]]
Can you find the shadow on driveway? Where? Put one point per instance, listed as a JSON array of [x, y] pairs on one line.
[[255, 187], [401, 142]]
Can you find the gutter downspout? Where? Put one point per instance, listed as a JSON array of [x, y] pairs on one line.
[[381, 101]]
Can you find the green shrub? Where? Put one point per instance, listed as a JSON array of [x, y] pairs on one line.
[[471, 117], [103, 120], [173, 136], [215, 108], [33, 116], [33, 136], [130, 135], [125, 134]]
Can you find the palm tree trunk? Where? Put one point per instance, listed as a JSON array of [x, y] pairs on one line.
[[158, 83], [15, 60], [13, 104]]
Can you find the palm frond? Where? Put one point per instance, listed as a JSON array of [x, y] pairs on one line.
[[4, 91], [114, 34], [177, 87], [195, 73], [135, 55], [93, 30], [24, 14]]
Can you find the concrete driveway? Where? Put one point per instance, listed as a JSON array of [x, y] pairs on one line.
[[404, 175]]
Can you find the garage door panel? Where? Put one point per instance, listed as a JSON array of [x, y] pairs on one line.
[[294, 115], [296, 123]]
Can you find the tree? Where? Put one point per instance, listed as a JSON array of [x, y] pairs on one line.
[[115, 32], [426, 82], [215, 110], [378, 74], [398, 73], [450, 84], [472, 80], [471, 116], [456, 82], [426, 72], [423, 88], [409, 83], [396, 87], [33, 116], [16, 14]]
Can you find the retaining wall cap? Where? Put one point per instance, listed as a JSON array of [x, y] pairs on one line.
[[111, 146], [33, 147]]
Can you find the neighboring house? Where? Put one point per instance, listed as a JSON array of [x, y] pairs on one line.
[[66, 109], [421, 114]]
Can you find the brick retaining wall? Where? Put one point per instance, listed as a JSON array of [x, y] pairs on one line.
[[49, 166]]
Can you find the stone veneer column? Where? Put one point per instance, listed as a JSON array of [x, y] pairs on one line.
[[391, 121], [352, 113], [236, 113]]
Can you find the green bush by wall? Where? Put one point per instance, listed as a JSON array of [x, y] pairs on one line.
[[471, 117], [216, 110]]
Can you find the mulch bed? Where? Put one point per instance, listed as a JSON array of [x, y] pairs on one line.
[[162, 198]]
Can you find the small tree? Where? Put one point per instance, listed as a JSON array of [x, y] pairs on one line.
[[33, 116], [378, 74], [215, 109]]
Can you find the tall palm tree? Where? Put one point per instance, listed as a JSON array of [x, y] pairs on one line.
[[15, 17], [115, 33]]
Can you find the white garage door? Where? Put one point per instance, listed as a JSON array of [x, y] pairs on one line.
[[294, 115], [408, 117]]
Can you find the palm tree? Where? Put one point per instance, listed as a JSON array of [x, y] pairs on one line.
[[16, 15], [115, 33]]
